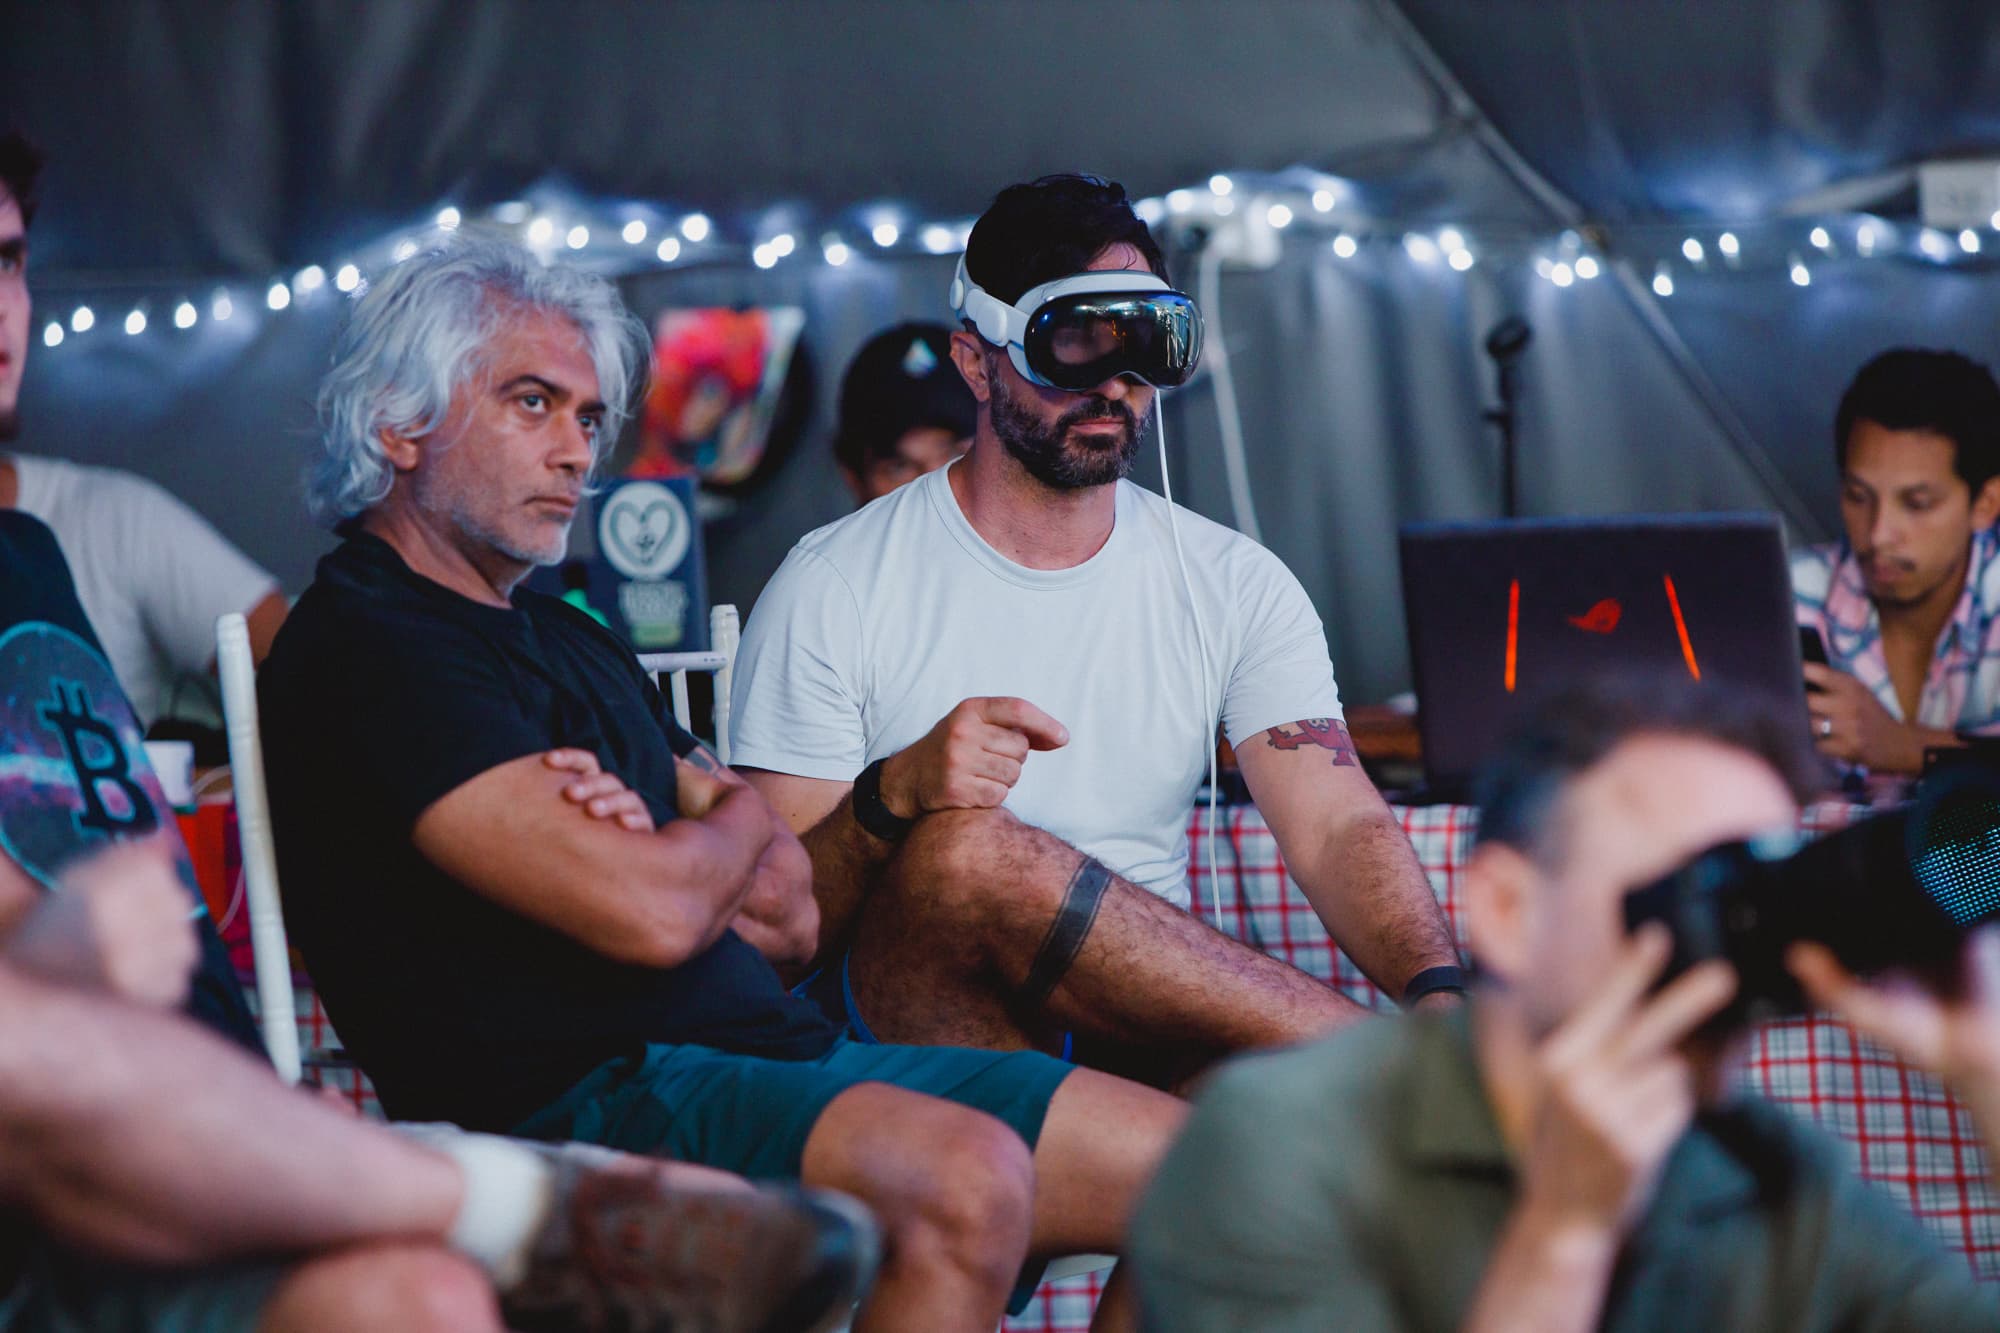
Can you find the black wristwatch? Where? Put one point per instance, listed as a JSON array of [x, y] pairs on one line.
[[1429, 982], [871, 814]]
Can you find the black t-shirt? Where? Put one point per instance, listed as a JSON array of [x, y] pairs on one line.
[[73, 772], [386, 691]]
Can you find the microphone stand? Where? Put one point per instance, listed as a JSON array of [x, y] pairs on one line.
[[1505, 343]]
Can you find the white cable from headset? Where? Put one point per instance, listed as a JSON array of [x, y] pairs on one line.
[[1201, 646]]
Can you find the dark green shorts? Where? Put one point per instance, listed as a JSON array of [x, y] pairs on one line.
[[752, 1116]]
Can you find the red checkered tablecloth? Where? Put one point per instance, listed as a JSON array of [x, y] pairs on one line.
[[1902, 1130]]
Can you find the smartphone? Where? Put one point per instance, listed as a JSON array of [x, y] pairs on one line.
[[1812, 648]]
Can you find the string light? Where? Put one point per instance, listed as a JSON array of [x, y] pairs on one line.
[[1573, 255]]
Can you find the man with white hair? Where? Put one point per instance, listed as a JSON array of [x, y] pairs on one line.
[[492, 959]]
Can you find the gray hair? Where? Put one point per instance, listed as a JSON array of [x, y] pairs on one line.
[[414, 337]]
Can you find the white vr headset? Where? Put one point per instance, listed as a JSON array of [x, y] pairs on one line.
[[1077, 332]]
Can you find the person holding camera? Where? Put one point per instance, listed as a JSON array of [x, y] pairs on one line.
[[1564, 1154]]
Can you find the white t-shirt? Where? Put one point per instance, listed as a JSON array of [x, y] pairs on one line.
[[878, 625], [152, 575]]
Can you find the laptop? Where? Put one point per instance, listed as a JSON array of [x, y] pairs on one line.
[[1501, 613]]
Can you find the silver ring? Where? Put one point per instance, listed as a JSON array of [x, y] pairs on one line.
[[1825, 728]]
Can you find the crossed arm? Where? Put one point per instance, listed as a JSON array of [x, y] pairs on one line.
[[655, 897]]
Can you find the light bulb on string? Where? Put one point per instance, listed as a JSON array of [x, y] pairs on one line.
[[1692, 251], [1179, 201], [1420, 248], [52, 336], [1345, 246], [278, 297], [579, 236], [347, 277], [184, 315], [634, 232], [1323, 201], [1822, 239], [696, 227], [221, 308], [1561, 274], [763, 256], [541, 231], [885, 234], [309, 279], [1968, 241], [1451, 240], [447, 218], [1933, 245], [82, 319], [669, 249], [135, 323], [936, 238], [1727, 243], [1279, 216], [1663, 281], [405, 249], [1586, 267], [1461, 259], [836, 252], [1801, 275], [1219, 184], [1865, 239], [1224, 206]]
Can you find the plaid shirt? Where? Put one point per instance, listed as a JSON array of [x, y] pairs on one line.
[[1962, 689]]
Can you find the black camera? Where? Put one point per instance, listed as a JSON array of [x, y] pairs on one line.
[[1896, 892]]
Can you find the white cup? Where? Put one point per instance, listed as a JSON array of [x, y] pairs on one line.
[[173, 765]]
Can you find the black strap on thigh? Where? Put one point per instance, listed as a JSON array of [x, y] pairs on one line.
[[1072, 923]]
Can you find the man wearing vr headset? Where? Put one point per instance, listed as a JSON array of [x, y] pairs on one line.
[[986, 702]]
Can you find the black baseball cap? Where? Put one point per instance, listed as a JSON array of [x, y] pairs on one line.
[[901, 379]]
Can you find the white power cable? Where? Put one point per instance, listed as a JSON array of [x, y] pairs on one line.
[[1229, 418], [1201, 646]]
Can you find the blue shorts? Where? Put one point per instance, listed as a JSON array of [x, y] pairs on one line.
[[752, 1115]]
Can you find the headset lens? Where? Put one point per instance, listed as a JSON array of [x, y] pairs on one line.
[[1077, 342]]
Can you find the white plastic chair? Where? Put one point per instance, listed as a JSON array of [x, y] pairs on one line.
[[724, 632], [276, 1003]]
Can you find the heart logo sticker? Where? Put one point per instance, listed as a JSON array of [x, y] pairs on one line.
[[644, 530]]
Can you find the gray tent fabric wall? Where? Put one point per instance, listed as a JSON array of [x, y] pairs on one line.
[[198, 144]]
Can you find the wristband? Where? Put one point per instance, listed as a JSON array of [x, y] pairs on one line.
[[1430, 981], [871, 814]]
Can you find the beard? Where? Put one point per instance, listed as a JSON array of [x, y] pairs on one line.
[[1044, 449], [10, 425], [467, 506]]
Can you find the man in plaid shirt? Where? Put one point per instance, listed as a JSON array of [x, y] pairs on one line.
[[1908, 603]]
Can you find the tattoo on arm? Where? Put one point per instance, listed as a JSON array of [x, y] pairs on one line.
[[704, 759], [1324, 732]]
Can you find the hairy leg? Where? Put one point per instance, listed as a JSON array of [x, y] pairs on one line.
[[978, 934], [112, 1120], [951, 1189]]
